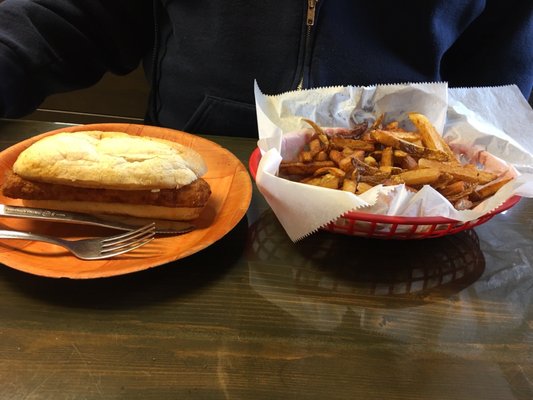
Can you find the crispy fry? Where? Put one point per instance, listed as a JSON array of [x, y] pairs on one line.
[[398, 154], [453, 188], [484, 191], [408, 162], [376, 179], [299, 168], [336, 156], [459, 196], [386, 157], [347, 163], [430, 137], [387, 139], [366, 136], [412, 137], [364, 168], [315, 147], [371, 161], [352, 133], [359, 154], [443, 181], [305, 157], [391, 126], [349, 185], [319, 132], [483, 176], [321, 156], [378, 122], [362, 187], [354, 144], [328, 181], [417, 177], [465, 173], [330, 170], [358, 159]]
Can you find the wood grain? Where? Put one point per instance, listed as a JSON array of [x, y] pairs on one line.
[[255, 316]]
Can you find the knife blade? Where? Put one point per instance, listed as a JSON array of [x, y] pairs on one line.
[[43, 214]]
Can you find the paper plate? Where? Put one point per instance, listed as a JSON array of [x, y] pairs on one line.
[[231, 194]]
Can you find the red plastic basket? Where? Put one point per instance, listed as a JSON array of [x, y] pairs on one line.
[[394, 227]]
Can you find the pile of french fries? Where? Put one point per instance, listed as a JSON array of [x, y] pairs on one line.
[[357, 159]]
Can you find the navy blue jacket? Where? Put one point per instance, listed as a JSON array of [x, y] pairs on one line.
[[201, 57]]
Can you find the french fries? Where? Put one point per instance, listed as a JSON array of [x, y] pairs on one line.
[[429, 135], [390, 155]]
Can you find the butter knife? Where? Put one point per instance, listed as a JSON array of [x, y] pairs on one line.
[[177, 227]]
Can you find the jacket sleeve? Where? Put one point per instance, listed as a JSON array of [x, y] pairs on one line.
[[496, 48], [49, 46]]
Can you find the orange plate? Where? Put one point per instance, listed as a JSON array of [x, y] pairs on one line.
[[231, 194]]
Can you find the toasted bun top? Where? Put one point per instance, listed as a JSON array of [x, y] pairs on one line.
[[114, 160]]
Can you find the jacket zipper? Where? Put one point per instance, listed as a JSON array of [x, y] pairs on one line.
[[153, 90], [310, 21]]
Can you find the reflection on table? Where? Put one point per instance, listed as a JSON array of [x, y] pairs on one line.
[[256, 316]]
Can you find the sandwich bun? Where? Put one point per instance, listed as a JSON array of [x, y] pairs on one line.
[[100, 172], [113, 160]]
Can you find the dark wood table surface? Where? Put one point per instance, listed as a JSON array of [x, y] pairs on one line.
[[255, 316]]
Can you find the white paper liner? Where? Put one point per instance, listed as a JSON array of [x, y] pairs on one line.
[[492, 126]]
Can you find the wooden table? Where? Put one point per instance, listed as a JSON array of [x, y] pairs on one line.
[[255, 316]]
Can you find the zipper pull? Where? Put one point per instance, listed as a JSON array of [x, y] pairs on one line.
[[311, 14], [311, 10]]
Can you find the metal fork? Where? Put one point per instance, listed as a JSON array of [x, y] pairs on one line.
[[92, 249]]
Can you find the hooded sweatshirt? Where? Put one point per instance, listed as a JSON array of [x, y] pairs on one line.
[[201, 57]]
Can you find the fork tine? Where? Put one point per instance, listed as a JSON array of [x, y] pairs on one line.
[[95, 248], [129, 243], [110, 252], [122, 237], [125, 242]]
